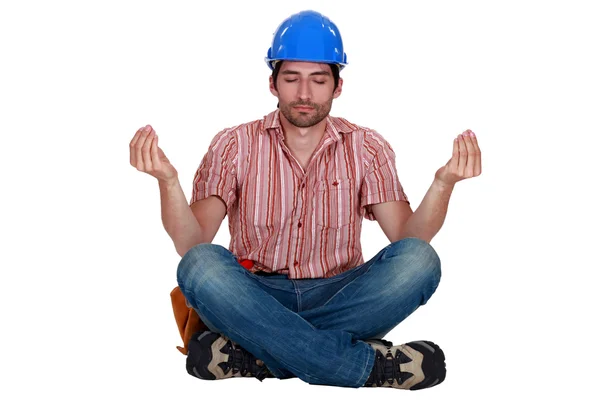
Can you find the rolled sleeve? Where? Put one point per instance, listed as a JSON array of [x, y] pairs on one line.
[[217, 173], [380, 183]]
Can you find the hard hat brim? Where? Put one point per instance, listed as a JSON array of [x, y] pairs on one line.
[[271, 62]]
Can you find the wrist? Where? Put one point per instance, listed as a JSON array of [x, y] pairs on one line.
[[169, 182], [442, 185]]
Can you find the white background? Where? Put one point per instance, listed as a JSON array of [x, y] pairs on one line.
[[87, 268]]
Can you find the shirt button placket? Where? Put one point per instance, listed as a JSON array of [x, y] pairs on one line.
[[296, 263], [301, 187]]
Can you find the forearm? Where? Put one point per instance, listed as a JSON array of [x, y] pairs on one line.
[[177, 217], [429, 217]]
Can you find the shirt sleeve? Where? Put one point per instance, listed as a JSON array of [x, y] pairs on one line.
[[380, 183], [217, 173]]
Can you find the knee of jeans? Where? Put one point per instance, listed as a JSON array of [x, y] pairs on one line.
[[419, 256], [198, 262]]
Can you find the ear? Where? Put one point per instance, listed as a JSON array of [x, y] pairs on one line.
[[338, 90], [272, 87]]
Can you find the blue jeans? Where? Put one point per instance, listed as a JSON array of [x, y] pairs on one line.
[[310, 328]]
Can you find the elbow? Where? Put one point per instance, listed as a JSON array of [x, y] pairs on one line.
[[180, 251], [415, 233], [424, 238], [183, 249]]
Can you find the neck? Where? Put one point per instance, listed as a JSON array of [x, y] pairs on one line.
[[302, 140]]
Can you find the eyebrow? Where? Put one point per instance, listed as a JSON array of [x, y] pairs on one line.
[[289, 72]]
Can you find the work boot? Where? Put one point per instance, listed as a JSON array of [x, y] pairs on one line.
[[214, 356], [414, 365]]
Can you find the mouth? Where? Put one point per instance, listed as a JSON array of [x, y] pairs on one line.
[[303, 108]]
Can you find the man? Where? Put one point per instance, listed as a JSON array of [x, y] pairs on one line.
[[292, 296]]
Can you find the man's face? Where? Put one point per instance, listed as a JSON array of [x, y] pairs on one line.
[[305, 92]]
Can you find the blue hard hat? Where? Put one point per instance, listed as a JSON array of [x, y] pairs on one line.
[[307, 36]]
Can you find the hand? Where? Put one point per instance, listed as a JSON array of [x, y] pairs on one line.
[[146, 156], [465, 162]]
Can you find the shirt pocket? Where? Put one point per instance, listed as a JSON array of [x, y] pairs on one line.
[[332, 202]]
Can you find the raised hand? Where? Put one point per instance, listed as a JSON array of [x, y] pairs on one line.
[[146, 156], [465, 162]]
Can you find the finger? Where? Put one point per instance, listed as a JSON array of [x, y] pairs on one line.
[[453, 163], [154, 153], [146, 151], [139, 145], [462, 151], [136, 136], [470, 167], [132, 152], [477, 157]]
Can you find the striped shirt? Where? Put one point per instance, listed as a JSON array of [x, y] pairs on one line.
[[305, 224]]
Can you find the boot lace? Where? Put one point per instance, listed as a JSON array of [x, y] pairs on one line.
[[386, 368], [243, 362]]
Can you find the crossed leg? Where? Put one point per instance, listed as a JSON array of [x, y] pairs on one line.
[[320, 345]]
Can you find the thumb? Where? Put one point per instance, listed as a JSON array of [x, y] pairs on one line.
[[161, 154]]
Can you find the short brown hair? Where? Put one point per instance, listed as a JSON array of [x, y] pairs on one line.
[[335, 71]]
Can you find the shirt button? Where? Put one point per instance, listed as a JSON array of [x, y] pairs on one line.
[[335, 183], [296, 263], [303, 185], [299, 224]]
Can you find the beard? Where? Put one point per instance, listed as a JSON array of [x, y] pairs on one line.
[[306, 119]]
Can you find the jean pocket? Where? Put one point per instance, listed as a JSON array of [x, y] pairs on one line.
[[333, 198]]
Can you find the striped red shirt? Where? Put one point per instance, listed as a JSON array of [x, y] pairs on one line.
[[305, 224]]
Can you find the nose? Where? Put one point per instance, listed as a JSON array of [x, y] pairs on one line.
[[304, 90]]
